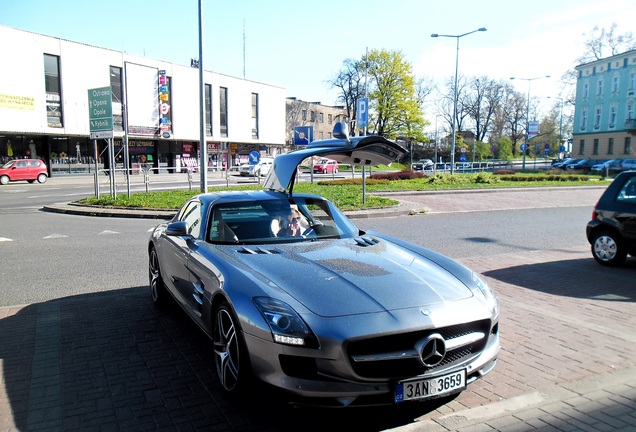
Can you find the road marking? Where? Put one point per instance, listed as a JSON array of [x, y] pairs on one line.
[[52, 236], [2, 239], [106, 232]]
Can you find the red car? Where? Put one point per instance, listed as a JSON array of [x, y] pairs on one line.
[[326, 166], [23, 169]]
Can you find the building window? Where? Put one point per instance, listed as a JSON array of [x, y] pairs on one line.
[[586, 90], [582, 147], [53, 92], [629, 111], [615, 84], [115, 88], [313, 116], [595, 148], [303, 114], [208, 110], [321, 117], [628, 146], [612, 117], [632, 81], [597, 118], [223, 110], [599, 88], [254, 115], [330, 118], [610, 146], [584, 118]]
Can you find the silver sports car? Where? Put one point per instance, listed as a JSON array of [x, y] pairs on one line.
[[293, 294]]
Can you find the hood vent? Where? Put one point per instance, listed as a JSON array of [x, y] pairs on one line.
[[258, 251], [366, 241]]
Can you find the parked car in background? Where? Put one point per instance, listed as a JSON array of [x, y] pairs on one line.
[[624, 165], [422, 165], [246, 170], [23, 169], [584, 165], [326, 166], [561, 163], [291, 292], [608, 165], [568, 163], [612, 230]]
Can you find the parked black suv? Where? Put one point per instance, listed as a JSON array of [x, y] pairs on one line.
[[612, 230]]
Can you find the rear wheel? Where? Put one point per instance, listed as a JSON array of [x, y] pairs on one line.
[[230, 356], [608, 249], [157, 287], [42, 178]]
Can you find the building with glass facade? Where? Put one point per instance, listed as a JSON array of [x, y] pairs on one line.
[[45, 108]]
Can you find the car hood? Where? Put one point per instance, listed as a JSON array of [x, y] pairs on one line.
[[351, 276], [362, 150]]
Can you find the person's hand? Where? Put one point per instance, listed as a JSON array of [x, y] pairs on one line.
[[294, 227]]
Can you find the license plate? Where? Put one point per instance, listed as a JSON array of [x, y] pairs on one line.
[[430, 387]]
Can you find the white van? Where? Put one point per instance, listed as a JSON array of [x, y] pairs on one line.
[[263, 166]]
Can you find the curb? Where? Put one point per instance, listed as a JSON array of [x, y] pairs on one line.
[[84, 210]]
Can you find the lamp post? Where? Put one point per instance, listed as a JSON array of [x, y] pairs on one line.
[[528, 115], [452, 155]]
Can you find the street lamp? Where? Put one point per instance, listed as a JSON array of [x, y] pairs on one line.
[[452, 155], [528, 115]]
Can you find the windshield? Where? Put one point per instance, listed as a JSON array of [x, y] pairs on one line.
[[269, 221]]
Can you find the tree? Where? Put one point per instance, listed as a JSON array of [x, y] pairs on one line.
[[482, 102], [601, 43], [350, 82], [393, 100]]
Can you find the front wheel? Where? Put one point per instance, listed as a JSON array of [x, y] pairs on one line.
[[158, 291], [42, 178], [608, 249], [230, 356]]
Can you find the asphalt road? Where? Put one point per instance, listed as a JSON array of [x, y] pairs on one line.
[[82, 347]]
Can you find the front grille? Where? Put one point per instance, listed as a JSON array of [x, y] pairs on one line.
[[396, 368]]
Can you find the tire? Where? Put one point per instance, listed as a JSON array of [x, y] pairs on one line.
[[42, 178], [30, 181], [4, 180], [608, 249], [230, 354], [158, 291]]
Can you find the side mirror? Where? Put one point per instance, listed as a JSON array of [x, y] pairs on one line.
[[178, 229], [341, 131]]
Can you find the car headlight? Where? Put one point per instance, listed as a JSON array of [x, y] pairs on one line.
[[488, 293], [286, 325]]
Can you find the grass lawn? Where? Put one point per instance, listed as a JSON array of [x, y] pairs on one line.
[[346, 194]]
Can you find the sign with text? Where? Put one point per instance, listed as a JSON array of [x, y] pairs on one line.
[[100, 112], [533, 129]]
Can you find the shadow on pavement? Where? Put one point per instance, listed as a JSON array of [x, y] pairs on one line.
[[579, 278], [112, 361]]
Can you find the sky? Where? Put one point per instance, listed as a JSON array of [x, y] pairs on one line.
[[300, 45]]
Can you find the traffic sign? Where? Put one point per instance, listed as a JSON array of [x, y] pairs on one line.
[[462, 158], [254, 157], [100, 110], [362, 112], [303, 135]]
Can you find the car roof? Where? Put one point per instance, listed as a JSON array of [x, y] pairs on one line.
[[368, 150]]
